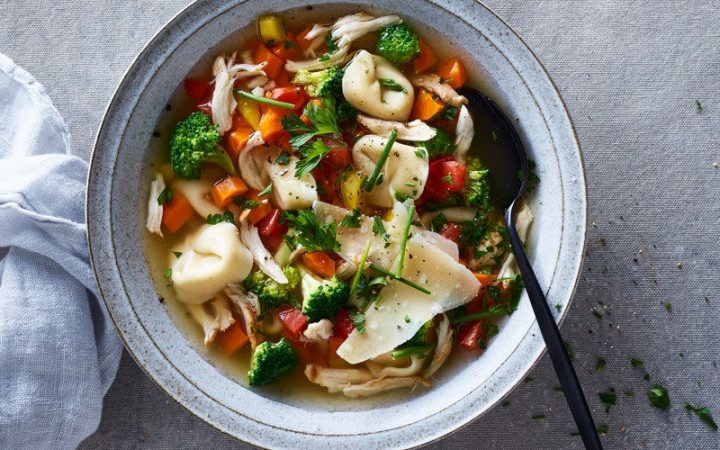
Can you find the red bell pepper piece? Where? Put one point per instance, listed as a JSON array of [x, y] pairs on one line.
[[470, 335], [291, 94], [293, 322], [451, 231]]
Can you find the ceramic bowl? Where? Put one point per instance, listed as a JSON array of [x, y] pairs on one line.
[[498, 62]]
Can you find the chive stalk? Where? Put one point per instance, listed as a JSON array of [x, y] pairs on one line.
[[361, 267], [404, 281], [370, 184], [494, 312], [268, 101], [403, 242], [409, 351]]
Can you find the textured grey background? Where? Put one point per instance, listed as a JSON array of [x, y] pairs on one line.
[[630, 72]]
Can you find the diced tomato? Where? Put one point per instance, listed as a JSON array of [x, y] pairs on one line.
[[470, 334], [338, 158], [270, 225], [293, 322], [327, 183], [445, 176], [311, 352], [451, 231], [343, 326], [196, 89], [290, 94]]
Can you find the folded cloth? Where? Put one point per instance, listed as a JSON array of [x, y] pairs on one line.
[[58, 350]]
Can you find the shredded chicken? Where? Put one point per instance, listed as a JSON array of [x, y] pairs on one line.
[[249, 306], [433, 82], [464, 133], [384, 366], [251, 238], [335, 380], [344, 31], [319, 331], [223, 101], [508, 269], [442, 350], [417, 130], [155, 207], [374, 387], [213, 316], [487, 252], [317, 36], [252, 162], [257, 82]]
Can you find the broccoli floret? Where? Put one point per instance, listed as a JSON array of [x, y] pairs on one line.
[[422, 337], [344, 111], [195, 141], [398, 44], [270, 292], [477, 185], [321, 83], [271, 361], [439, 145], [323, 298]]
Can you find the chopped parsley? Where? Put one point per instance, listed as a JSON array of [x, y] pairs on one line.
[[177, 254], [421, 153], [392, 85], [165, 196], [312, 155], [168, 273], [600, 365], [378, 228], [438, 222], [352, 220], [603, 429], [283, 159], [246, 203], [407, 319], [608, 399], [636, 362], [358, 321], [704, 414], [447, 179], [538, 417], [214, 219], [658, 397], [698, 106], [668, 307], [311, 234], [568, 348], [448, 113]]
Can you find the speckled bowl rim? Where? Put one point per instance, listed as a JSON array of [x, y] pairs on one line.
[[95, 234]]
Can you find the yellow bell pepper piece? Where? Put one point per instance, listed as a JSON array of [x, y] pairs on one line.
[[271, 29], [250, 111], [350, 187]]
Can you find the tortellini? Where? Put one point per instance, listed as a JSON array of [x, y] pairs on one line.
[[215, 258], [404, 174], [361, 87]]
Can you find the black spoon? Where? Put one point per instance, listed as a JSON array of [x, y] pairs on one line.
[[502, 151]]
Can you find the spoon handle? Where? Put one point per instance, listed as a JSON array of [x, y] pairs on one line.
[[554, 342]]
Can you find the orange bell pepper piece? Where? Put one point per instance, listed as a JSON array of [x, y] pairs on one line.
[[270, 126], [320, 263], [273, 65]]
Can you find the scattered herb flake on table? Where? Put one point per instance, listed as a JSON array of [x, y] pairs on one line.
[[704, 414], [658, 397]]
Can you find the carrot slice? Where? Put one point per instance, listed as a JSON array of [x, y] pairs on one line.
[[484, 279], [287, 48], [233, 339], [177, 212], [226, 189], [426, 58], [270, 126], [320, 263], [259, 212], [333, 359], [273, 64], [236, 141], [453, 72], [426, 106]]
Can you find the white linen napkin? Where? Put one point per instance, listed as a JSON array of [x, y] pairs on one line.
[[58, 350]]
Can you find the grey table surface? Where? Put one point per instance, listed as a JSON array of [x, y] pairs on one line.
[[631, 73]]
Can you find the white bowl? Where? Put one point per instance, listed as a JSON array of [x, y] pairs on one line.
[[498, 62]]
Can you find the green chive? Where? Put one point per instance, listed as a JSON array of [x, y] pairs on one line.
[[409, 351], [404, 281], [492, 312], [370, 184], [403, 242], [361, 268], [268, 101]]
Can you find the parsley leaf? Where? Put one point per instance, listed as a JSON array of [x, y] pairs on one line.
[[378, 228], [246, 203], [392, 85], [323, 117], [214, 219], [608, 399], [311, 234], [448, 113], [438, 222], [658, 397], [312, 155], [358, 321], [352, 220], [168, 273], [447, 179], [704, 415], [177, 254], [165, 196]]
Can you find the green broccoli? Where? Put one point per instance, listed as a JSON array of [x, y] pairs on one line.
[[439, 145], [270, 292], [321, 83], [323, 298], [195, 141], [477, 185], [271, 361], [398, 44]]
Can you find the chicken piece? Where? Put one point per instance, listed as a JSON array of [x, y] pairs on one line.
[[417, 130], [155, 208], [213, 316], [443, 348], [223, 101], [385, 366], [263, 258], [249, 307], [432, 82], [375, 387], [464, 133]]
